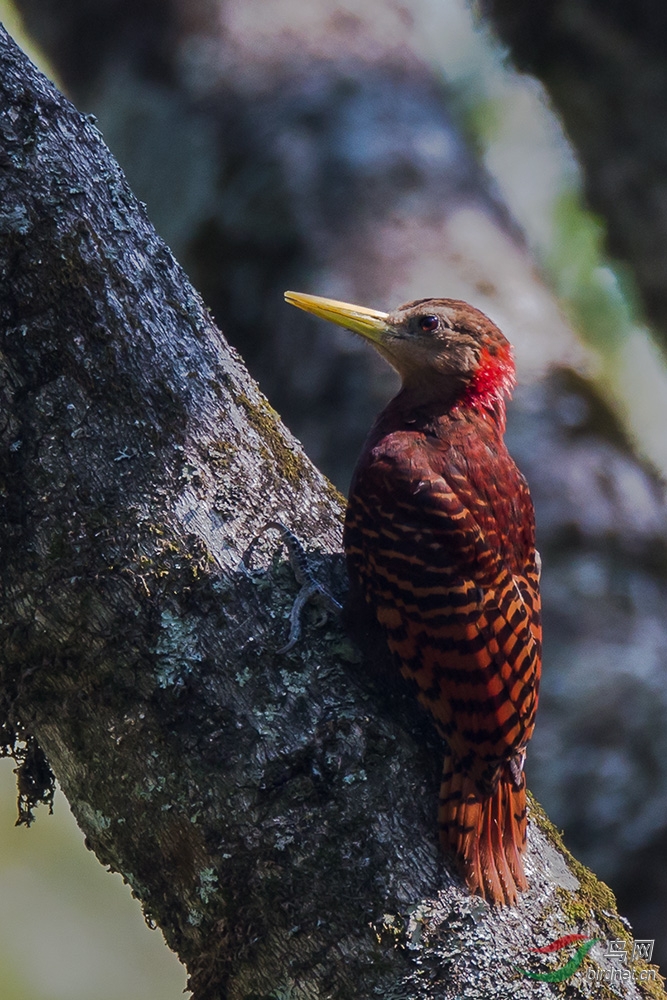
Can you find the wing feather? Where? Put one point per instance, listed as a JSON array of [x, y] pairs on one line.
[[460, 615]]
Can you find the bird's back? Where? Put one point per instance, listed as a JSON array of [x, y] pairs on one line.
[[439, 539]]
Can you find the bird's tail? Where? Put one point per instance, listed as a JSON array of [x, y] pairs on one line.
[[487, 832]]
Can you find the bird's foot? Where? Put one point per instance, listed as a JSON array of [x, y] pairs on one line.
[[311, 592]]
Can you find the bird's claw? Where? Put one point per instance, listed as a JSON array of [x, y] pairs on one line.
[[311, 590]]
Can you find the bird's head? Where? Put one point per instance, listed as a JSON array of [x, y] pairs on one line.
[[441, 348]]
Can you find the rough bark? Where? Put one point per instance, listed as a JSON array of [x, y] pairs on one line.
[[272, 814]]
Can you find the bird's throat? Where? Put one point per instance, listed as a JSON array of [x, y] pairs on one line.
[[428, 398]]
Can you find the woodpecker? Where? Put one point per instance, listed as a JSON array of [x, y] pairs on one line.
[[439, 540]]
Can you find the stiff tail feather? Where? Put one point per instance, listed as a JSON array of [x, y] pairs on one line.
[[487, 832]]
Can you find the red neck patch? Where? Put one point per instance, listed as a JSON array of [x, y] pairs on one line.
[[493, 380]]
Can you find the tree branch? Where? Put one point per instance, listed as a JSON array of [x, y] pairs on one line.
[[272, 814]]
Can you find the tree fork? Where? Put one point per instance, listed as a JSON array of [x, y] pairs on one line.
[[274, 817]]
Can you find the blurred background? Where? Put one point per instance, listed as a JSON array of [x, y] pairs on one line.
[[377, 152]]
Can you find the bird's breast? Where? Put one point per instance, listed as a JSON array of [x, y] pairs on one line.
[[401, 472]]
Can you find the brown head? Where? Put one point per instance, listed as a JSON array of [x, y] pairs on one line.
[[443, 349]]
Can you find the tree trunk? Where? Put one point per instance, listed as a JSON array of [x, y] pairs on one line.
[[274, 816]]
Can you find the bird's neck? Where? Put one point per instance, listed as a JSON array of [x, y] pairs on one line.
[[492, 382], [428, 398]]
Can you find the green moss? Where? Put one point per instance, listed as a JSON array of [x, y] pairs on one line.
[[592, 899], [592, 893], [653, 988], [264, 419], [220, 455], [167, 565], [336, 498]]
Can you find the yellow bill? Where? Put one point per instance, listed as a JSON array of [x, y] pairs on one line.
[[368, 322]]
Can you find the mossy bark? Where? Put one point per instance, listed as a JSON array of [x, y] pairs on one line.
[[274, 816]]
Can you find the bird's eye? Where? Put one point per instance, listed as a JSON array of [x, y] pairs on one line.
[[428, 323]]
